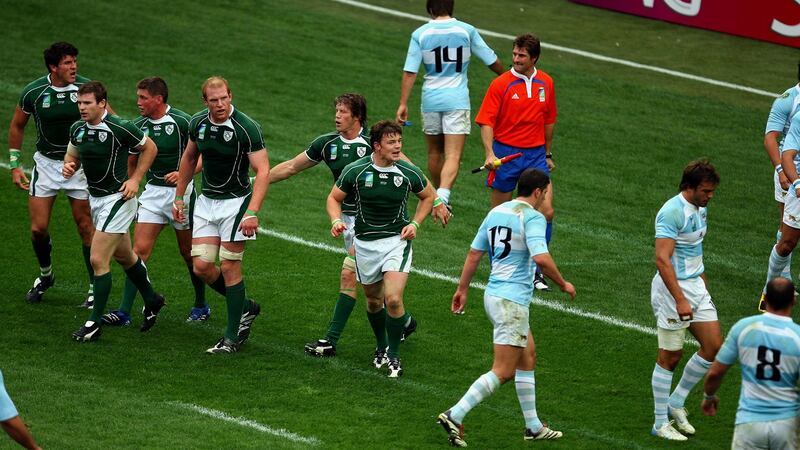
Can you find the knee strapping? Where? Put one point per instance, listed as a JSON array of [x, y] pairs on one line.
[[206, 252], [349, 263], [229, 255], [671, 340]]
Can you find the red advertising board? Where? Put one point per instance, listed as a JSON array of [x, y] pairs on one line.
[[768, 20]]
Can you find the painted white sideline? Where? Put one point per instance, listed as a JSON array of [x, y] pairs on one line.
[[279, 432], [575, 51], [556, 306]]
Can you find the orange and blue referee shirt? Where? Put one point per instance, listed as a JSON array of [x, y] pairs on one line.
[[518, 108]]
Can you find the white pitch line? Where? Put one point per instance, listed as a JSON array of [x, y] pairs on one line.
[[575, 51], [556, 306], [279, 432], [442, 277]]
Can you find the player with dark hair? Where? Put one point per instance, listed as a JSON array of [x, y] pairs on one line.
[[518, 115], [168, 127], [380, 184], [680, 299], [767, 347], [513, 234], [52, 101], [444, 46], [100, 143]]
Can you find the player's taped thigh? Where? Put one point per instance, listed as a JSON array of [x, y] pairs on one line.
[[228, 255], [206, 252], [671, 340], [349, 263]]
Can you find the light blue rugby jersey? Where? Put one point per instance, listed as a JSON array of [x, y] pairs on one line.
[[445, 48], [791, 141], [7, 409], [512, 233], [783, 110], [684, 223], [768, 349]]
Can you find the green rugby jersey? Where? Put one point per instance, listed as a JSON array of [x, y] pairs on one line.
[[381, 194], [54, 110], [103, 150], [170, 134], [337, 152], [224, 148]]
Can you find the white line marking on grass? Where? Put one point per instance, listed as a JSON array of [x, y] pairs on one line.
[[575, 51], [442, 277], [279, 432], [556, 306]]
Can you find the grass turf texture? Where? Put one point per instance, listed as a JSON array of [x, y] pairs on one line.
[[622, 138]]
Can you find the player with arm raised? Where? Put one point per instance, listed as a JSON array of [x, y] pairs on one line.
[[100, 144], [52, 102], [444, 46], [168, 127], [513, 234], [680, 299], [225, 215], [381, 184]]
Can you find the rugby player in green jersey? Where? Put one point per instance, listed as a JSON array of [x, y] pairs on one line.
[[52, 102], [381, 183], [225, 214], [99, 143], [168, 127], [348, 143]]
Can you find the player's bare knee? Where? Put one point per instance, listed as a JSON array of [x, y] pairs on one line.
[[374, 304], [787, 244], [669, 359], [394, 302], [204, 269], [143, 251], [39, 233]]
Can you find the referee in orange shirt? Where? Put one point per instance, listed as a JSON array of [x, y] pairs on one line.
[[518, 114]]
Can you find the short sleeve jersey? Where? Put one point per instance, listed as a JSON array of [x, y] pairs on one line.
[[103, 150], [54, 110], [768, 349], [518, 108], [337, 152], [7, 408], [512, 233], [783, 109], [381, 194], [225, 147], [685, 224], [444, 47], [170, 134], [792, 142]]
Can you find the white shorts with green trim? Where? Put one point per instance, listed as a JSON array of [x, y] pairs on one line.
[[155, 205], [350, 233], [220, 218], [373, 258], [510, 321], [112, 214], [694, 289], [446, 122], [47, 180], [779, 434]]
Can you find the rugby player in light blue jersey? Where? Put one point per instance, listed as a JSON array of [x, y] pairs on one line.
[[444, 46], [513, 234], [768, 349], [680, 299], [780, 118]]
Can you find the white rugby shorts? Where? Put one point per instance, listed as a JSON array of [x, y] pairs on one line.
[[510, 321], [694, 289], [220, 218], [350, 233], [155, 205], [112, 214], [373, 258], [47, 179], [777, 434], [791, 210], [446, 122], [780, 193]]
